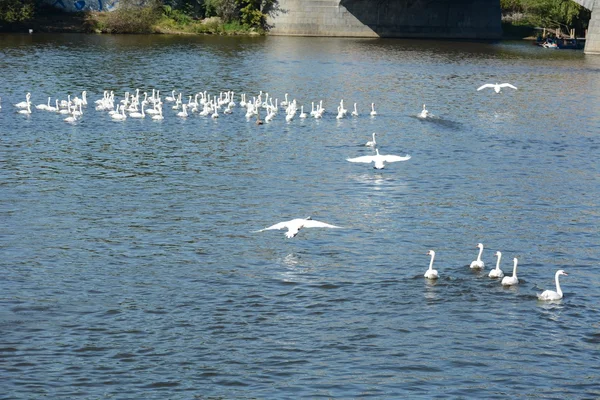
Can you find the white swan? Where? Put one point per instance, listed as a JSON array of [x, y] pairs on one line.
[[478, 264], [295, 225], [183, 113], [77, 112], [378, 159], [511, 280], [26, 110], [51, 108], [302, 113], [431, 273], [119, 116], [342, 109], [290, 116], [371, 143], [497, 272], [355, 112], [172, 97], [138, 114], [373, 112], [549, 295], [423, 113], [24, 104], [159, 116], [71, 118], [496, 86], [43, 106]]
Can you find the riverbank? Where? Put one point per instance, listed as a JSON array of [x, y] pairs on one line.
[[51, 21]]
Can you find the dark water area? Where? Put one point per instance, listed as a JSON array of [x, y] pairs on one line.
[[129, 263]]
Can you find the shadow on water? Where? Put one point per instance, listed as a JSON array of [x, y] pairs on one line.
[[439, 121]]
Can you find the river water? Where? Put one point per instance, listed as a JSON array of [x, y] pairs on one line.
[[129, 265]]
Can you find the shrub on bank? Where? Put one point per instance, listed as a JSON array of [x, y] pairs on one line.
[[129, 17]]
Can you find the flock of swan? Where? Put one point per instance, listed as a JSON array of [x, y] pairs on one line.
[[497, 273], [202, 103], [295, 225], [131, 106]]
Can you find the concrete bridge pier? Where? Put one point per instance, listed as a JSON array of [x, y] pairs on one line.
[[592, 41], [448, 19]]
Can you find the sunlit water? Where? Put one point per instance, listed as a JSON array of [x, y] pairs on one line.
[[129, 266]]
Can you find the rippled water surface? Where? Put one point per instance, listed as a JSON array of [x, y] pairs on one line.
[[129, 265]]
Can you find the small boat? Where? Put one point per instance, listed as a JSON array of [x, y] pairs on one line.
[[562, 43], [548, 44]]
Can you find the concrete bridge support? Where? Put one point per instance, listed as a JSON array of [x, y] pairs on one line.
[[453, 19], [592, 42]]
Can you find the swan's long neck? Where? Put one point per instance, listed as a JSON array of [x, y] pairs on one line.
[[558, 290], [515, 269], [480, 253], [431, 262], [498, 263]]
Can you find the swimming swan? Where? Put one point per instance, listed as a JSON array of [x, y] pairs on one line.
[[496, 86], [373, 112], [423, 113], [511, 280], [24, 104], [549, 295], [138, 114], [295, 225], [431, 273], [27, 110], [159, 116], [497, 272], [371, 143], [119, 116], [378, 159], [478, 264]]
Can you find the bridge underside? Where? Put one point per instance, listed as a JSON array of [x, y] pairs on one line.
[[456, 19]]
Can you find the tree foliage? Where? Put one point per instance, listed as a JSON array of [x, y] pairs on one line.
[[548, 13], [15, 11], [255, 12]]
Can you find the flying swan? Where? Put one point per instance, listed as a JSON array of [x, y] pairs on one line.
[[295, 225], [378, 159], [549, 295], [497, 86]]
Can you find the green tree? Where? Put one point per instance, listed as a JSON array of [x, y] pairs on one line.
[[254, 12], [15, 11], [548, 13]]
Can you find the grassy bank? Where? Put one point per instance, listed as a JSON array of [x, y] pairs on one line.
[[132, 21]]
